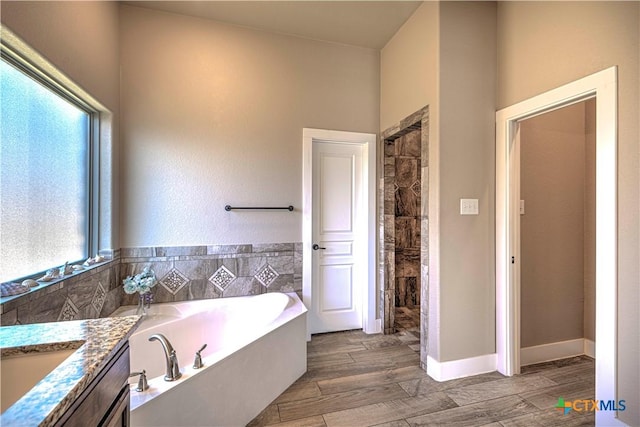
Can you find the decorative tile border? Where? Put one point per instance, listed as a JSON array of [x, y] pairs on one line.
[[86, 294], [184, 273], [216, 271]]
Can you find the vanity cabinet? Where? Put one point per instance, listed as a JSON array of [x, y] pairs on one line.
[[105, 401], [119, 416]]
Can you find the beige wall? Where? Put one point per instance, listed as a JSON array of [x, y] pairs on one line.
[[80, 39], [553, 175], [444, 57], [467, 170], [213, 115], [542, 45], [409, 67]]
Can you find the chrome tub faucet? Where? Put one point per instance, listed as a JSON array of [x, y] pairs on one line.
[[171, 359]]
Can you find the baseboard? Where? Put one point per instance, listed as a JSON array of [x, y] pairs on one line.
[[444, 371], [590, 348], [554, 351]]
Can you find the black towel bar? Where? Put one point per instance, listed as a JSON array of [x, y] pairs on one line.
[[229, 207]]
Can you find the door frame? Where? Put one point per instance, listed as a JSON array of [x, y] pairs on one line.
[[370, 324], [602, 86]]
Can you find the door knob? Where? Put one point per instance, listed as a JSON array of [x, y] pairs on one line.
[[316, 246]]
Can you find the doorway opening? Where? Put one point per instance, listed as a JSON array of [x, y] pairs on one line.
[[404, 227], [557, 234], [603, 87]]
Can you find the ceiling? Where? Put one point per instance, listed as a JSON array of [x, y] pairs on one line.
[[369, 24]]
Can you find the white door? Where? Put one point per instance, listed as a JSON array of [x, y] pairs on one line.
[[337, 195]]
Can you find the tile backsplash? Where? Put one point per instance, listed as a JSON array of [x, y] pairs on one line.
[[85, 295], [197, 272], [183, 273]]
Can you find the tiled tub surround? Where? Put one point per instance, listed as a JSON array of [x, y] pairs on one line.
[[198, 272], [87, 294], [183, 272], [99, 340]]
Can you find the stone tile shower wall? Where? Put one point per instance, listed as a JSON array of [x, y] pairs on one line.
[[406, 157], [198, 272], [418, 121]]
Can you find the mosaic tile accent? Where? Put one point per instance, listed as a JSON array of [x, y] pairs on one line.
[[173, 281], [99, 298], [69, 311], [222, 278], [267, 275], [415, 187]]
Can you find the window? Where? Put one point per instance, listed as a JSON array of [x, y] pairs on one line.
[[45, 172]]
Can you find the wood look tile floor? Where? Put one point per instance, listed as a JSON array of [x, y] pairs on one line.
[[407, 318], [354, 379]]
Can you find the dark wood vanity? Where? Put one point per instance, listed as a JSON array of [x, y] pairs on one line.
[[89, 388], [105, 401]]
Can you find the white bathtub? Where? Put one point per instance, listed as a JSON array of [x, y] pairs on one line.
[[256, 348]]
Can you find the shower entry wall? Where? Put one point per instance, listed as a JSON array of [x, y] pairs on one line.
[[404, 224]]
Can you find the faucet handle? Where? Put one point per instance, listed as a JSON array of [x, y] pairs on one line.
[[142, 381], [197, 363]]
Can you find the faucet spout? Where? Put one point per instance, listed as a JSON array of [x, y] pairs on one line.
[[171, 359]]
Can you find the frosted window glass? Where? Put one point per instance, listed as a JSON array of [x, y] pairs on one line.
[[44, 142]]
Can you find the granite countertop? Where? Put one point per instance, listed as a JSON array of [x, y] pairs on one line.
[[96, 341]]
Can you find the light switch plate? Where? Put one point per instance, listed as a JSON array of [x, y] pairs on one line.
[[521, 207], [468, 206]]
